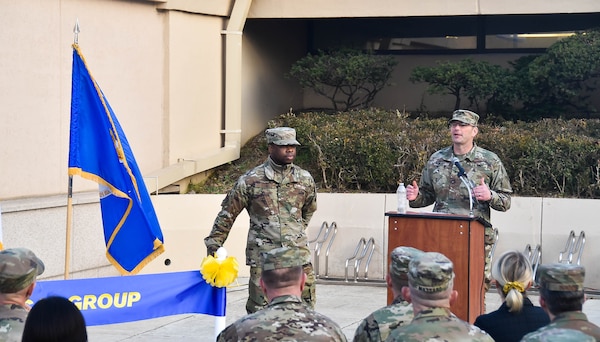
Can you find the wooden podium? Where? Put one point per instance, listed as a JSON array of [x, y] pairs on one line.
[[458, 237]]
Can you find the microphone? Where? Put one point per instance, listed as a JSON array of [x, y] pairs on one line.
[[467, 182], [461, 171]]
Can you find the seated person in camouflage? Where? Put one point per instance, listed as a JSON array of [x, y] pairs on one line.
[[561, 335], [286, 317], [562, 296], [430, 282], [377, 326], [19, 269]]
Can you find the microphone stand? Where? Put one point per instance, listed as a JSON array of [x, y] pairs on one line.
[[467, 182]]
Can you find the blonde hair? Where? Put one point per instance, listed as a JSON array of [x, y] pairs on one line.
[[513, 273]]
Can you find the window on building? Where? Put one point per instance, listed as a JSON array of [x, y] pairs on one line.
[[460, 34]]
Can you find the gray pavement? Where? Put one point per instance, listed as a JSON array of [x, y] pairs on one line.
[[347, 304]]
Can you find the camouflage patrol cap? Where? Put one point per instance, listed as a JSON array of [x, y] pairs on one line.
[[282, 257], [18, 269], [400, 258], [465, 116], [282, 136], [558, 335], [431, 272], [561, 277]]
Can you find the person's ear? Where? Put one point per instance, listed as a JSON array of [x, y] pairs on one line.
[[388, 280], [543, 303], [406, 294], [30, 289], [263, 287], [303, 281], [453, 297]]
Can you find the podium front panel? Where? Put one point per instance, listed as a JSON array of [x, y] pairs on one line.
[[460, 238]]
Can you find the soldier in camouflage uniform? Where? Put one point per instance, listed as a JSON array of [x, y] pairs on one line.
[[280, 199], [440, 183], [561, 335], [19, 269], [430, 280], [286, 317], [377, 326], [562, 296]]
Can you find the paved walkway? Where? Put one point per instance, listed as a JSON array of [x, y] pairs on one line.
[[347, 304]]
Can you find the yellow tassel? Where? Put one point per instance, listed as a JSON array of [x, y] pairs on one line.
[[219, 273]]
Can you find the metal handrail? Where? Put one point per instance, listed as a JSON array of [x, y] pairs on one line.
[[324, 225], [334, 227], [568, 246], [578, 248], [324, 228], [372, 243], [534, 258], [574, 245], [361, 242]]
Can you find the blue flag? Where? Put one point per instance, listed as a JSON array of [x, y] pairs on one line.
[[127, 299], [99, 151]]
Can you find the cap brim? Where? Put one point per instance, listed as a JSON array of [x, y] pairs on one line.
[[460, 120], [286, 143], [40, 266]]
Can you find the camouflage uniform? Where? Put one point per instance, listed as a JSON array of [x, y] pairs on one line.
[[286, 317], [441, 185], [280, 200], [564, 278], [429, 275], [19, 268], [558, 335], [377, 326], [12, 322]]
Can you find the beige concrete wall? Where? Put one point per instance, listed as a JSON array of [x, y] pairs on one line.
[[187, 219], [122, 42], [194, 87]]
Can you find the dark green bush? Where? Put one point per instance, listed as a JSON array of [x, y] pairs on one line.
[[371, 150], [349, 78]]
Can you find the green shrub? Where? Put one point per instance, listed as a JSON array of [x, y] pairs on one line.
[[371, 150], [348, 78]]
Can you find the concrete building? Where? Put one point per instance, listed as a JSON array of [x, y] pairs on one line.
[[192, 81]]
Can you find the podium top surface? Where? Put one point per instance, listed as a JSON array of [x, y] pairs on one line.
[[443, 216]]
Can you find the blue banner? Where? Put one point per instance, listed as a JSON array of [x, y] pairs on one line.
[[99, 151], [133, 298]]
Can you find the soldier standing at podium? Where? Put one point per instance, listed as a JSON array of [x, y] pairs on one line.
[[441, 183]]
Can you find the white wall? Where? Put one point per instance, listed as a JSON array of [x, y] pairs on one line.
[[187, 219]]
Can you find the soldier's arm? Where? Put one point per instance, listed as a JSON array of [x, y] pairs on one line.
[[235, 201], [367, 331], [426, 194], [310, 204], [229, 334], [500, 189]]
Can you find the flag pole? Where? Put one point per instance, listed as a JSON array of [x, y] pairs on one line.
[[220, 321], [70, 193], [69, 225]]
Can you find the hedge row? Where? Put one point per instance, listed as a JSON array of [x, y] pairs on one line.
[[371, 150]]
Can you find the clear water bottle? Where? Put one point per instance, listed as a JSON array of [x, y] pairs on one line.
[[402, 201]]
